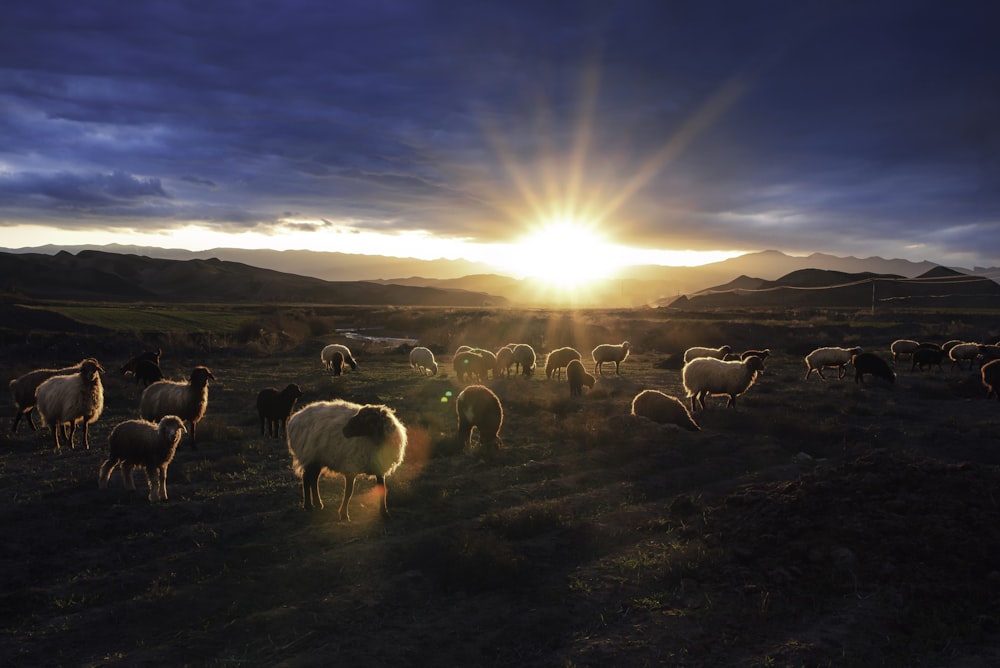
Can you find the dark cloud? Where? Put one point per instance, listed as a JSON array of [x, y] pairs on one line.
[[794, 125]]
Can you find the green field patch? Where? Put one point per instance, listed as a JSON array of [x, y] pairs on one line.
[[155, 318]]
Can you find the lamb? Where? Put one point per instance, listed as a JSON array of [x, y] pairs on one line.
[[63, 401], [471, 365], [663, 408], [559, 358], [274, 407], [925, 357], [698, 351], [422, 359], [23, 390], [477, 406], [703, 376], [832, 357], [901, 347], [578, 377], [873, 365], [609, 352], [149, 445], [345, 438], [963, 351], [187, 400], [505, 358], [327, 355], [991, 378], [524, 355]]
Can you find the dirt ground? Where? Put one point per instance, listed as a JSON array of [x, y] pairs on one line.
[[818, 523]]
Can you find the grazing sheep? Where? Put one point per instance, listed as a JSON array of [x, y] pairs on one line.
[[24, 389], [988, 353], [577, 376], [763, 354], [146, 355], [949, 344], [63, 401], [470, 365], [345, 438], [274, 407], [327, 356], [187, 401], [524, 356], [663, 408], [336, 363], [559, 358], [830, 358], [505, 358], [991, 378], [703, 376], [148, 445], [699, 351], [902, 347], [146, 372], [925, 357], [422, 359], [478, 407], [609, 352], [963, 351], [873, 365]]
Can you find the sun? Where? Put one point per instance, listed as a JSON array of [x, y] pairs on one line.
[[563, 253]]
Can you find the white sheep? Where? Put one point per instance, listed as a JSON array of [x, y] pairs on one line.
[[327, 355], [345, 438], [699, 351], [422, 359], [962, 352], [187, 400], [559, 358], [524, 356], [24, 389], [577, 377], [148, 445], [64, 401], [832, 358], [663, 408], [609, 352], [705, 376], [477, 406], [902, 347]]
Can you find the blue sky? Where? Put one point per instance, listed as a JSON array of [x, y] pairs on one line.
[[423, 128]]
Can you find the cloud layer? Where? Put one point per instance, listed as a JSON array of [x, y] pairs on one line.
[[849, 128]]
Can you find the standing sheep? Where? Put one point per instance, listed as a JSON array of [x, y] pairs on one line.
[[24, 390], [148, 445], [963, 351], [609, 352], [559, 358], [832, 358], [524, 355], [422, 359], [925, 357], [699, 351], [327, 356], [63, 401], [991, 378], [663, 408], [505, 358], [902, 347], [345, 438], [873, 365], [188, 401], [577, 376], [703, 376], [274, 407], [470, 365], [477, 406]]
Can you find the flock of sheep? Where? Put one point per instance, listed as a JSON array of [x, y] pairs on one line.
[[352, 439]]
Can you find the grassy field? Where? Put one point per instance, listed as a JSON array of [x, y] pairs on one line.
[[817, 523]]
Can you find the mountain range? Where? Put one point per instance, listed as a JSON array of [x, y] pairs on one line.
[[126, 273]]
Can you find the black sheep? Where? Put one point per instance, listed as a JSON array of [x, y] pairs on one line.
[[274, 407], [874, 365]]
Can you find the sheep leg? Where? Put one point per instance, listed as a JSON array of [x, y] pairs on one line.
[[383, 492], [732, 401], [194, 426], [128, 476], [105, 473], [153, 481], [617, 365], [841, 372], [86, 434], [163, 482], [310, 487], [348, 493]]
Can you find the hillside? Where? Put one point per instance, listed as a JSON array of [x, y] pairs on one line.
[[817, 288], [102, 276]]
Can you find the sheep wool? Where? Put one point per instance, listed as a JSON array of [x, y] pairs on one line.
[[187, 400], [478, 407], [991, 379], [663, 408], [24, 392], [609, 352], [577, 377], [148, 445], [558, 359], [422, 360], [830, 358], [705, 376], [699, 351], [347, 439], [64, 401]]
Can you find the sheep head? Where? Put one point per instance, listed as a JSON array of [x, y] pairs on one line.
[[292, 391], [90, 370], [371, 421], [171, 426], [200, 376], [754, 364]]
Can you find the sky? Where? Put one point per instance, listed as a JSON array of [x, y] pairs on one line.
[[661, 132]]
